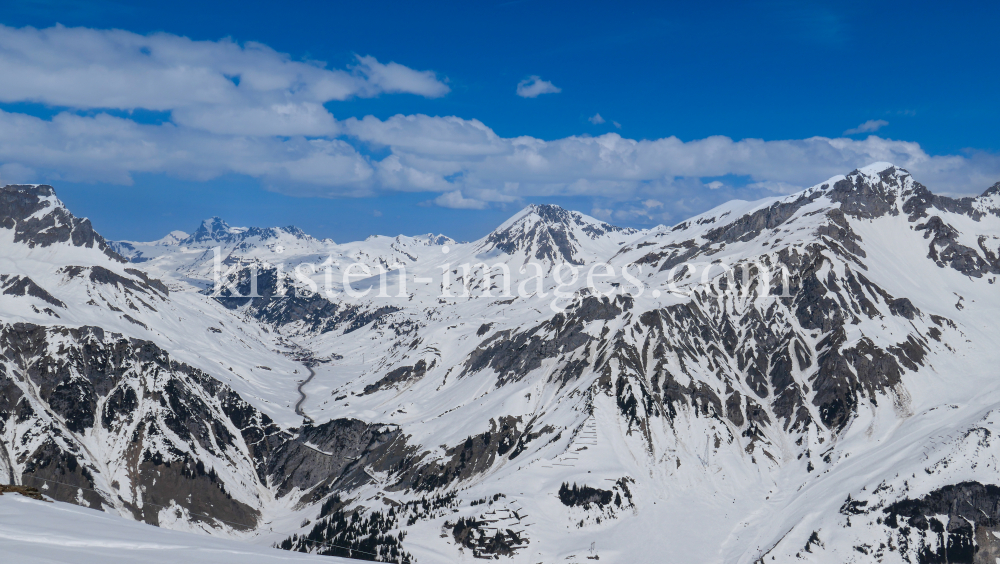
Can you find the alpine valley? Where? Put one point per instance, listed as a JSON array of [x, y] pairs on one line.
[[849, 412]]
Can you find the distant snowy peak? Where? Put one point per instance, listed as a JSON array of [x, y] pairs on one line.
[[989, 201], [554, 216], [431, 239], [39, 219], [216, 232], [426, 240], [213, 229], [172, 238], [549, 232]]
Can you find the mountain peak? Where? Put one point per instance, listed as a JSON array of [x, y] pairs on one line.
[[173, 237], [39, 190], [875, 190], [213, 222], [887, 175], [40, 219], [552, 214], [989, 201], [549, 232], [432, 239], [549, 212], [214, 229], [876, 169]]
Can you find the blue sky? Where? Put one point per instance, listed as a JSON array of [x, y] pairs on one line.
[[698, 103]]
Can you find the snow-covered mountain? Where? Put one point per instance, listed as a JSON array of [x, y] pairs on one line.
[[189, 259], [404, 399], [551, 234]]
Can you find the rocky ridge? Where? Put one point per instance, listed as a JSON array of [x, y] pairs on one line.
[[503, 427]]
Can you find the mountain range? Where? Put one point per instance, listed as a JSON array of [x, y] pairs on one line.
[[805, 378]]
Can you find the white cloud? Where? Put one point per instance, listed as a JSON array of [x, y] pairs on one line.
[[775, 187], [396, 78], [110, 149], [457, 201], [219, 86], [596, 119], [533, 86], [869, 126], [464, 159], [252, 111], [14, 173], [450, 136], [616, 124], [306, 118], [602, 213]]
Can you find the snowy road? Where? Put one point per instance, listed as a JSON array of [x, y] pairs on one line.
[[302, 394]]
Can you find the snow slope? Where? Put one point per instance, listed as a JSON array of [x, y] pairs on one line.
[[836, 421], [37, 532]]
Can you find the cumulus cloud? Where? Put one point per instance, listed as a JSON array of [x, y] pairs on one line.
[[869, 126], [219, 86], [597, 119], [449, 137], [396, 78], [110, 149], [465, 161], [533, 86], [248, 110], [455, 200], [460, 157]]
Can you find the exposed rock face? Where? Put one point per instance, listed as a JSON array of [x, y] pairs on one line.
[[952, 524], [398, 376], [274, 299], [835, 342], [329, 455], [216, 230], [39, 219], [549, 233], [182, 438], [945, 250], [14, 285], [752, 225], [513, 354], [474, 456]]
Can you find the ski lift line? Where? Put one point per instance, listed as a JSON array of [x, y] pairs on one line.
[[244, 525]]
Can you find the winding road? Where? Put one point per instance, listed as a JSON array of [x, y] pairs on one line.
[[298, 404]]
